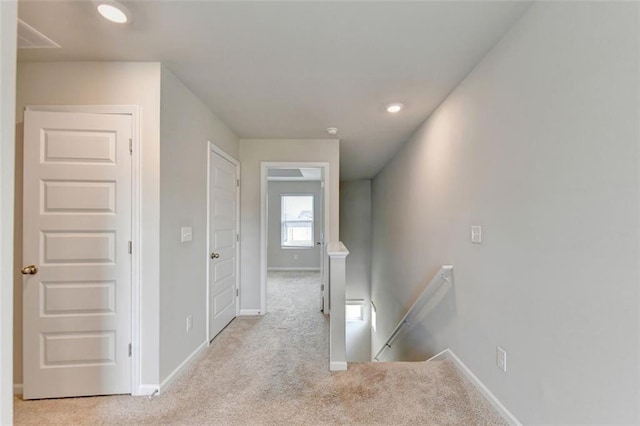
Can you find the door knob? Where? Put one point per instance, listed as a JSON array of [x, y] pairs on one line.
[[29, 270], [215, 255]]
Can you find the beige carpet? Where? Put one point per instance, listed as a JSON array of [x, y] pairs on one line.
[[273, 370]]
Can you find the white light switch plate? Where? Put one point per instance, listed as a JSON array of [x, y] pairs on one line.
[[186, 234], [476, 234], [501, 358]]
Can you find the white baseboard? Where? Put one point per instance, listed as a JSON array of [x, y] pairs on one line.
[[293, 268], [146, 390], [143, 390], [250, 312], [495, 402], [180, 369], [337, 366], [441, 356]]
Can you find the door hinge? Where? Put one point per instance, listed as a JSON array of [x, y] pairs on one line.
[[130, 146], [130, 350], [238, 237], [237, 292], [322, 287], [130, 247], [238, 183]]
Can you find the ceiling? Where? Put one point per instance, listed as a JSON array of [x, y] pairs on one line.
[[291, 69]]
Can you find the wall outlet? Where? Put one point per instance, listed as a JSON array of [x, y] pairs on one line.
[[295, 257], [186, 234], [189, 323], [501, 358]]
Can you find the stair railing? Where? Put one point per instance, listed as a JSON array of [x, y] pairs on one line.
[[426, 299]]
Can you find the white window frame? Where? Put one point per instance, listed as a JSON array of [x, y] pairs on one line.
[[282, 223]]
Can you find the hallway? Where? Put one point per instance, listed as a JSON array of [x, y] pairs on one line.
[[274, 370]]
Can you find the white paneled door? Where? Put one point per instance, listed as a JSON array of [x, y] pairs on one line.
[[223, 221], [77, 262]]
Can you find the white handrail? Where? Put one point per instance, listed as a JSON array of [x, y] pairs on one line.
[[444, 276]]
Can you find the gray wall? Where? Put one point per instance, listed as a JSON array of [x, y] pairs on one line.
[[355, 233], [277, 257], [539, 146], [186, 125]]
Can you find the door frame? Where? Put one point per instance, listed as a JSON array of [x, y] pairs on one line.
[[137, 388], [212, 148], [264, 169]]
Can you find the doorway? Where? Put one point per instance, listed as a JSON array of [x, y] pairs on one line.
[[293, 226]]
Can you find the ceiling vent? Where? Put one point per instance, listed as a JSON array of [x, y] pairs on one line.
[[30, 38]]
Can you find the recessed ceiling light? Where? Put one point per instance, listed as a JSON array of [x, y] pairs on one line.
[[114, 12], [332, 130], [394, 107]]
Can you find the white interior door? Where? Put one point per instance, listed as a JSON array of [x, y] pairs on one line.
[[223, 222], [77, 227]]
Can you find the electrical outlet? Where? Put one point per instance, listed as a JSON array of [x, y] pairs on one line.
[[501, 358], [189, 323], [186, 234], [295, 257]]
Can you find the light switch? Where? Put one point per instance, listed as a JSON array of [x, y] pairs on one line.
[[186, 234], [476, 234], [501, 358]]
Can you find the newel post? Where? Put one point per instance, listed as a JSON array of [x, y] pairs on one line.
[[337, 326]]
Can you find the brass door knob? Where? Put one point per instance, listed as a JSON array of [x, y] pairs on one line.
[[29, 270], [215, 255]]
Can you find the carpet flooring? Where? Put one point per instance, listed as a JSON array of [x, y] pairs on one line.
[[273, 370]]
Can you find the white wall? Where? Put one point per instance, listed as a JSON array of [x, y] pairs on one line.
[[538, 145], [8, 15], [103, 83], [355, 233], [252, 153], [186, 125], [277, 257]]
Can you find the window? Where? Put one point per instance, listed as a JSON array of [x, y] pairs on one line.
[[354, 310], [297, 221]]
